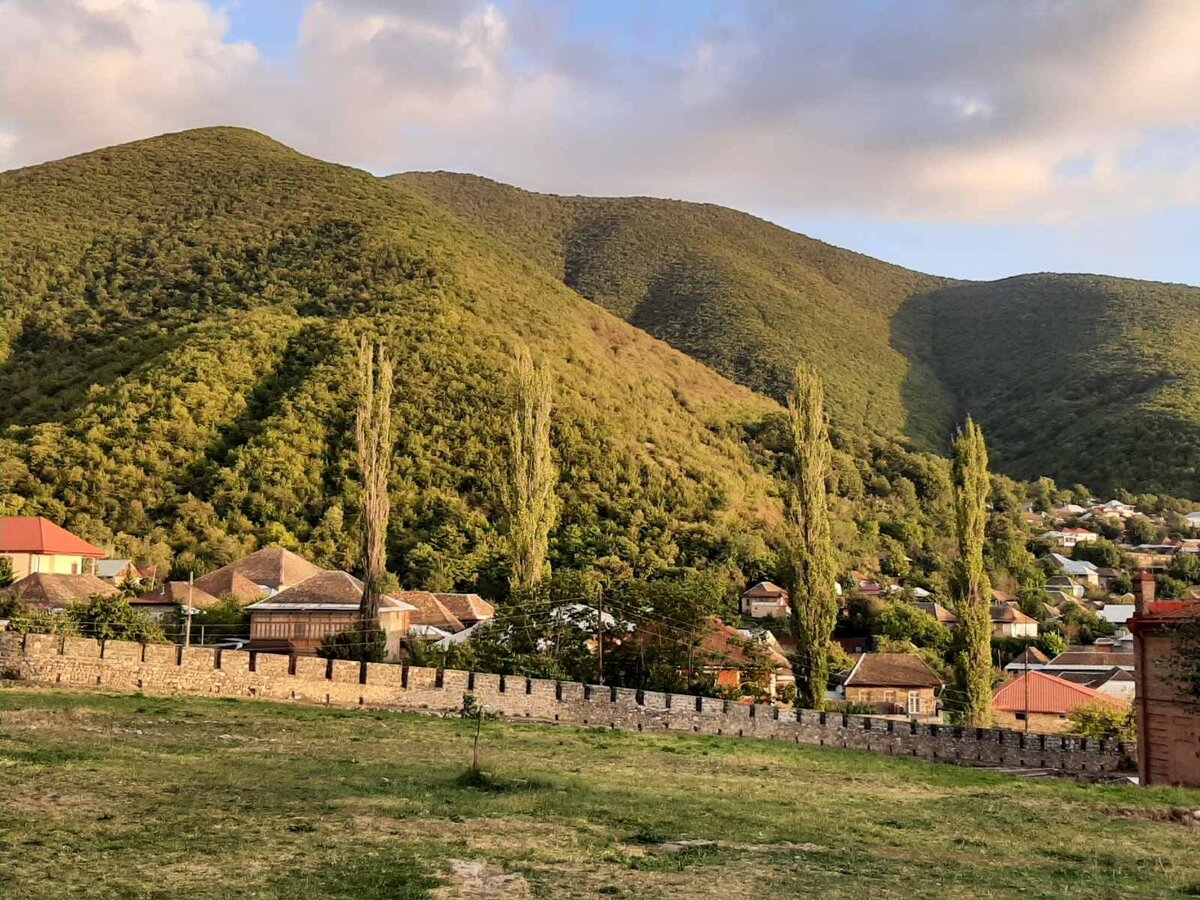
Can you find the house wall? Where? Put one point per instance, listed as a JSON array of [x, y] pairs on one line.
[[53, 564], [201, 671], [301, 632], [891, 700], [1168, 721], [1042, 723], [763, 608]]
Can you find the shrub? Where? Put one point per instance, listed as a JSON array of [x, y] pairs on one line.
[[1103, 720], [368, 645]]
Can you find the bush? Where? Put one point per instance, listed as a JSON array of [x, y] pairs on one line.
[[368, 645], [1104, 720]]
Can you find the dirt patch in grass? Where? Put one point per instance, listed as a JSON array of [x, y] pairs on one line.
[[469, 879]]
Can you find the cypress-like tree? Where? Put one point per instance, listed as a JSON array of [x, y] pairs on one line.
[[373, 440], [813, 569], [971, 589], [529, 498]]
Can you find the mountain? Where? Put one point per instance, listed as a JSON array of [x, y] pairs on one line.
[[1083, 378], [745, 296], [180, 316]]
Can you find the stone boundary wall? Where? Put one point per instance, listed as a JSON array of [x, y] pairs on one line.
[[205, 672]]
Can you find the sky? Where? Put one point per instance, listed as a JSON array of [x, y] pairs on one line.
[[970, 138]]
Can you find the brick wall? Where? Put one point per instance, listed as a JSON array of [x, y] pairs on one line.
[[165, 669]]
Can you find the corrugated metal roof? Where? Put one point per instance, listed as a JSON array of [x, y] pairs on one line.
[[1047, 694]]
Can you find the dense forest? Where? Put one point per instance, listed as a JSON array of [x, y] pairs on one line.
[[177, 348], [1083, 378]]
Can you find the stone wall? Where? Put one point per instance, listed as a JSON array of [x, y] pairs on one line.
[[167, 669]]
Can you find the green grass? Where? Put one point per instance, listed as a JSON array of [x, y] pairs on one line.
[[121, 796]]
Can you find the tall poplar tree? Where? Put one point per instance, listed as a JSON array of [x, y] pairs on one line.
[[971, 589], [373, 440], [814, 575], [529, 498]]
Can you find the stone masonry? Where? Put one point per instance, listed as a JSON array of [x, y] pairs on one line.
[[203, 672]]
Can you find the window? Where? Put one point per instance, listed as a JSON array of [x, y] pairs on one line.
[[914, 703], [74, 568], [1020, 717]]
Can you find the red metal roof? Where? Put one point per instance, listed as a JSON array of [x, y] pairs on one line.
[[19, 534], [1047, 694]]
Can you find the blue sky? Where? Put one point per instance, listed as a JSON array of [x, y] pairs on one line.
[[974, 139]]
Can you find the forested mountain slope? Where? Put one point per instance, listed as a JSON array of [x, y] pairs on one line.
[[1083, 378], [180, 316], [745, 296]]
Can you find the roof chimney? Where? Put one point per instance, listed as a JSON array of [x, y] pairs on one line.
[[1143, 592]]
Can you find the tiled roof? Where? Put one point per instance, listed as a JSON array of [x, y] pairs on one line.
[[1010, 614], [22, 534], [892, 670], [936, 610], [177, 592], [765, 590], [431, 611], [1069, 658], [55, 591], [273, 567], [1031, 655], [1046, 694], [329, 589], [467, 607]]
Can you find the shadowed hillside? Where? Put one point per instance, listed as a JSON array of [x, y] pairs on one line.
[[745, 296]]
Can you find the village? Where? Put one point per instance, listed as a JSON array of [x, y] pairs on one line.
[[1090, 659]]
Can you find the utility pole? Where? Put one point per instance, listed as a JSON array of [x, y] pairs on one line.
[[1026, 690], [187, 634], [600, 633]]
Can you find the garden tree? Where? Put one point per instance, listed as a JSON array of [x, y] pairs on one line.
[[1102, 720], [530, 501], [898, 621], [1100, 552], [1185, 567], [1033, 600], [373, 442], [1043, 493], [6, 571], [1171, 588], [970, 587], [813, 568], [1081, 625], [1141, 531]]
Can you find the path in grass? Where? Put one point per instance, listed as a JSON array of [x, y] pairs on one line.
[[120, 796]]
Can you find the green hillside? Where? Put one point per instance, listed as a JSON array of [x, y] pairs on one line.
[[180, 315], [1079, 377], [745, 296], [1082, 378]]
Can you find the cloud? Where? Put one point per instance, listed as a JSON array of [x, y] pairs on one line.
[[975, 111]]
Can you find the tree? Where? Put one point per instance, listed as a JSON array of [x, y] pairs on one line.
[[113, 619], [1141, 531], [6, 571], [970, 587], [813, 570], [529, 498], [373, 441], [1104, 720], [898, 621], [1100, 552]]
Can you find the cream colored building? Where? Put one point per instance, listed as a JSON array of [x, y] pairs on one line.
[[34, 545]]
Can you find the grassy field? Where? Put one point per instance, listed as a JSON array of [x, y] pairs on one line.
[[127, 796]]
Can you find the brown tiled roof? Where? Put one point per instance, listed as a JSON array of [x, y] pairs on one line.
[[1011, 614], [177, 592], [765, 590], [273, 567], [892, 670], [328, 589], [467, 607], [55, 591], [1031, 655], [999, 596], [936, 610], [431, 611]]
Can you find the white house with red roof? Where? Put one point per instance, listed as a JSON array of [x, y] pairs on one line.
[[36, 545]]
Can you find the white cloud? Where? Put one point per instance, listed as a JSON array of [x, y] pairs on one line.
[[970, 111]]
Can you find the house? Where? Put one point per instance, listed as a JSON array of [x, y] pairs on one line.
[[1116, 682], [54, 591], [263, 573], [1029, 659], [1193, 519], [765, 600], [470, 609], [1114, 509], [1067, 585], [1039, 702], [165, 603], [35, 544], [297, 618], [1079, 569], [1108, 577], [1168, 711], [1117, 613], [1008, 621], [939, 612], [893, 684], [1002, 597], [117, 571], [724, 652], [430, 618], [1092, 662], [1068, 511], [1069, 537]]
